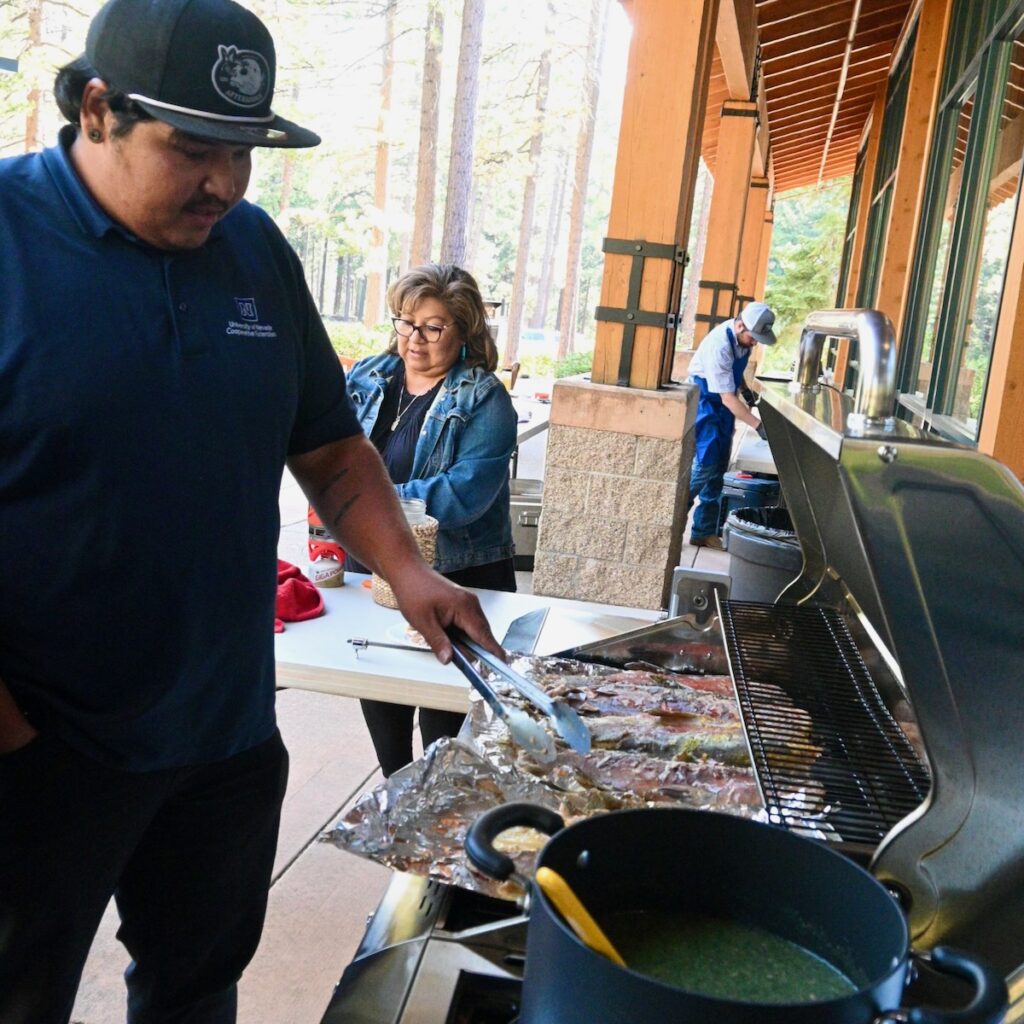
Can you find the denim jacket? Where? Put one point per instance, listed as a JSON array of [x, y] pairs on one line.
[[462, 458]]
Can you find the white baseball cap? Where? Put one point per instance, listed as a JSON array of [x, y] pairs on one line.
[[758, 320]]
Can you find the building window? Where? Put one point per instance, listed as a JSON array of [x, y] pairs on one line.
[[885, 174], [984, 288], [954, 177], [970, 206]]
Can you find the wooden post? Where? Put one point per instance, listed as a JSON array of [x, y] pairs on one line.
[[652, 195], [717, 296], [760, 276], [750, 244], [863, 212], [911, 170], [762, 257]]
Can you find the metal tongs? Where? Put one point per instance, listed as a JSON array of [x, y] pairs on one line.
[[566, 721], [525, 732]]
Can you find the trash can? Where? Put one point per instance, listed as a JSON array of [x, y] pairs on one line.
[[746, 490], [764, 554]]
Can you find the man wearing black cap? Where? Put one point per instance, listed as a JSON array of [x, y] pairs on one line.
[[160, 361], [717, 369]]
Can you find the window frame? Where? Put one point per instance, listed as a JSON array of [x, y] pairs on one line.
[[992, 26]]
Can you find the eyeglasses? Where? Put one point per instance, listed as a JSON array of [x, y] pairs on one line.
[[430, 333]]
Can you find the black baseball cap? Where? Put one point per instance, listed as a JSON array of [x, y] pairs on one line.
[[206, 67]]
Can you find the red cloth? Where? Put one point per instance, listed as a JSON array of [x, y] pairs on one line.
[[297, 598]]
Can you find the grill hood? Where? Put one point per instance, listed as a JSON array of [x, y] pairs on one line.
[[925, 540]]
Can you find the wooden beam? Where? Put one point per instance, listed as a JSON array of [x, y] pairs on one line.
[[784, 68], [726, 221], [867, 47], [911, 170], [763, 141], [750, 243], [817, 26], [766, 248], [794, 78], [736, 41], [663, 109], [824, 22], [820, 110]]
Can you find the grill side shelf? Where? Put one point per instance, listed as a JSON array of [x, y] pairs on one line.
[[829, 757]]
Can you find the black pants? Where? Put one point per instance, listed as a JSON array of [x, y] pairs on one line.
[[390, 725], [187, 853]]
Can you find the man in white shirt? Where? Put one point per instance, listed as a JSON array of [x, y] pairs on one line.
[[717, 370]]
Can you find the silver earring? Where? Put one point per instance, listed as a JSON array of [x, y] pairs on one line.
[[95, 135]]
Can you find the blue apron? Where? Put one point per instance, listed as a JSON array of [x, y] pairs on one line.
[[715, 423]]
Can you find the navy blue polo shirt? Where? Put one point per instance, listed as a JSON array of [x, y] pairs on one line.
[[148, 401]]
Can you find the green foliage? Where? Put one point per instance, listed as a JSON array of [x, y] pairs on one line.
[[351, 338], [987, 295], [803, 269], [548, 366], [574, 363]]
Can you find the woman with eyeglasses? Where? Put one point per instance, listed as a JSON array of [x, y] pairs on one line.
[[445, 428]]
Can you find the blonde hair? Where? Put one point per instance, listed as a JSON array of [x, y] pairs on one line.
[[458, 291]]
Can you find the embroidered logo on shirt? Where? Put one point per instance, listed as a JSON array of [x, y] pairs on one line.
[[242, 77], [249, 326]]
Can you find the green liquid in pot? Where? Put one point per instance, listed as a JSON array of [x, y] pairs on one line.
[[718, 957]]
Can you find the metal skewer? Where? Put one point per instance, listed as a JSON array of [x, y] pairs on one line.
[[360, 643]]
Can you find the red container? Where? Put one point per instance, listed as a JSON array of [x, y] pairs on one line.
[[326, 558]]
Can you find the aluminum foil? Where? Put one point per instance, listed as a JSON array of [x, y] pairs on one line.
[[417, 820]]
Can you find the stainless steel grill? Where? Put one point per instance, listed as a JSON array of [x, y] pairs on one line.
[[823, 743], [923, 541]]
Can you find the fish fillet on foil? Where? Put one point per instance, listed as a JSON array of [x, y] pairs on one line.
[[659, 739]]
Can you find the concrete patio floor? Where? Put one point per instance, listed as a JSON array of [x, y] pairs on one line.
[[321, 896]]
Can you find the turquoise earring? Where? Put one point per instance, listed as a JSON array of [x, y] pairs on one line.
[[462, 352]]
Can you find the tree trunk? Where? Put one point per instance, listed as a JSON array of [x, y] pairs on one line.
[[477, 217], [287, 177], [426, 159], [518, 300], [460, 165], [323, 277], [373, 311], [547, 263], [360, 298], [584, 150], [339, 283], [35, 39]]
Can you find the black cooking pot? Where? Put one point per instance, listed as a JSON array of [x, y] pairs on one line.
[[698, 862]]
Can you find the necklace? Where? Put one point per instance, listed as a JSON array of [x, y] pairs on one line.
[[401, 411]]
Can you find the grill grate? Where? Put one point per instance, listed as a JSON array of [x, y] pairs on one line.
[[824, 746]]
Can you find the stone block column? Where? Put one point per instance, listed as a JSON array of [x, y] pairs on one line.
[[616, 485]]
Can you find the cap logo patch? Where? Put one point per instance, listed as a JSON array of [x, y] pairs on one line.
[[242, 77]]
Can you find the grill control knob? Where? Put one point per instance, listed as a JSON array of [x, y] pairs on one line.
[[888, 453]]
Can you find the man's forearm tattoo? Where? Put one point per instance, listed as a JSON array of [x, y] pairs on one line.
[[330, 483], [343, 510]]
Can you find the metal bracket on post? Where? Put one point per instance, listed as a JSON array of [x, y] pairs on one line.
[[632, 316], [714, 318]]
